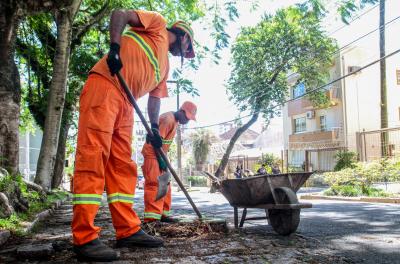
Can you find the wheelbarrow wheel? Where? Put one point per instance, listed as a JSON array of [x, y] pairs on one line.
[[284, 221]]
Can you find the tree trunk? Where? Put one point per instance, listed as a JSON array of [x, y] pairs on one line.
[[10, 89], [228, 151], [383, 89], [48, 150], [232, 142], [60, 159]]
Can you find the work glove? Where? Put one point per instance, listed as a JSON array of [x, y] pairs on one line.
[[114, 60], [161, 163], [156, 140]]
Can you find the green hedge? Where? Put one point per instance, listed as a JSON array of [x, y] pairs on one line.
[[354, 191], [357, 180], [364, 174], [198, 181]]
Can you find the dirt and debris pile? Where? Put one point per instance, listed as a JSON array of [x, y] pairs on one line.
[[193, 230]]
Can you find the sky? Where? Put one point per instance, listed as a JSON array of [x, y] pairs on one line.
[[210, 79]]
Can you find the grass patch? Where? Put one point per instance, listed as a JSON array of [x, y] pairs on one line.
[[355, 191], [198, 181], [15, 222]]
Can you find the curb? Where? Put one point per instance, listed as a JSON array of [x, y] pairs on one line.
[[5, 234], [43, 215], [352, 199]]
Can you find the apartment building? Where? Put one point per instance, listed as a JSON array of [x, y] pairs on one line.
[[313, 135]]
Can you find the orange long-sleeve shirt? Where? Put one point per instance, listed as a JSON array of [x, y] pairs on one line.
[[167, 125], [137, 70]]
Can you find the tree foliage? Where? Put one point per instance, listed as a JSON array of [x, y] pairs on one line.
[[201, 141], [345, 159], [262, 56], [290, 41], [36, 47], [347, 8]]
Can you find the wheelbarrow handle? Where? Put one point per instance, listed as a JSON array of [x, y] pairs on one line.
[[158, 151]]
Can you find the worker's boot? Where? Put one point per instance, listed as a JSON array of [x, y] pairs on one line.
[[140, 239], [168, 219], [95, 250]]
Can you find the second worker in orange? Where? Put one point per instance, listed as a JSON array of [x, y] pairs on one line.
[[154, 166]]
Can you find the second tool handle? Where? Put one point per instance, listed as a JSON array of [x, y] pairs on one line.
[[159, 151]]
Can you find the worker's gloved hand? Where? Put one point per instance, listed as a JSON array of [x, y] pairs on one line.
[[114, 60], [161, 163], [156, 140]]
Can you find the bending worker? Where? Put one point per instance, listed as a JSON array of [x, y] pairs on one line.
[[154, 166], [103, 155]]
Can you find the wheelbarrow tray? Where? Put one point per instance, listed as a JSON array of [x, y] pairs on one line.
[[276, 194], [256, 191]]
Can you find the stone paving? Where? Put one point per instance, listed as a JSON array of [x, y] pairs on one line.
[[251, 244]]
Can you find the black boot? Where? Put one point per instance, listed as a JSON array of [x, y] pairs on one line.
[[140, 239], [168, 219], [95, 250]]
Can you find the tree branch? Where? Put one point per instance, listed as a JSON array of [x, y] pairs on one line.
[[47, 39], [29, 54], [279, 68], [37, 6], [80, 30], [150, 5]]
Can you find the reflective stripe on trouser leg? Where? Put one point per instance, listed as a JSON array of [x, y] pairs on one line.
[[120, 197], [153, 209], [121, 176], [150, 215], [166, 213], [86, 199]]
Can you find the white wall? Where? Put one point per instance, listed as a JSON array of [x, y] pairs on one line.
[[363, 89], [29, 148]]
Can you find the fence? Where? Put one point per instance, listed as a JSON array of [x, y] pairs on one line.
[[377, 144]]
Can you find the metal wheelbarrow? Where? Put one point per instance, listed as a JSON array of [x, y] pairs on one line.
[[276, 194]]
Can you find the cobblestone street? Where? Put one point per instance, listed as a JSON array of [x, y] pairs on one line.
[[331, 232]]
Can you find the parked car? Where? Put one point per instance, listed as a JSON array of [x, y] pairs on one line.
[[140, 182]]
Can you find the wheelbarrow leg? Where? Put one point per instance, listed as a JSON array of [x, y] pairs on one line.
[[244, 213], [267, 217], [235, 216]]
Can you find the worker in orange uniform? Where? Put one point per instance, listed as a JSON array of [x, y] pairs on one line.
[[154, 166], [103, 155]]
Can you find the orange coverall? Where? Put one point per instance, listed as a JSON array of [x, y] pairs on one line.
[[153, 210], [103, 154]]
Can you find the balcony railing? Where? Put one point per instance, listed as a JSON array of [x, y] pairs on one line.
[[331, 138], [303, 105], [334, 95]]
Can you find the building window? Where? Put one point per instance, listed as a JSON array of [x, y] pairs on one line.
[[398, 76], [299, 125], [299, 90], [322, 123]]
